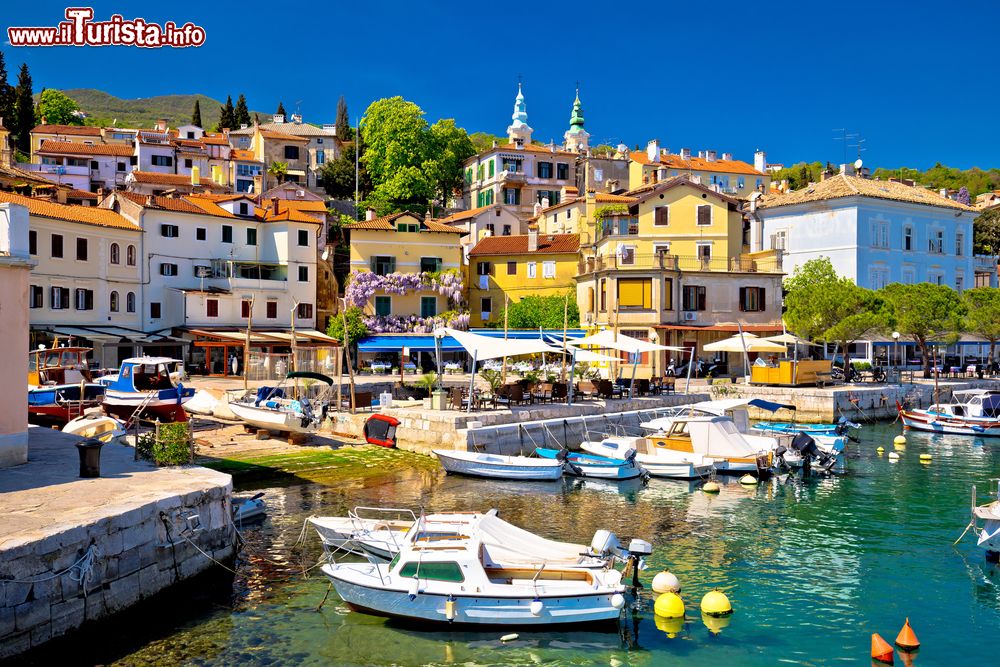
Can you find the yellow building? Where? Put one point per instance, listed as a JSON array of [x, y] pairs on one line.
[[577, 215], [513, 267], [729, 176], [401, 247]]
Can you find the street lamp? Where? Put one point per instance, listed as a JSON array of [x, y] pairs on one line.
[[895, 346]]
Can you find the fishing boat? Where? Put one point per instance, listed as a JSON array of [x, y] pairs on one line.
[[955, 418], [592, 465], [462, 579], [499, 466], [831, 437], [248, 509], [298, 404], [96, 425], [989, 533], [60, 386], [148, 386], [657, 461]]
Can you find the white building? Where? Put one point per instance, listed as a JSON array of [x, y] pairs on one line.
[[84, 166], [874, 232]]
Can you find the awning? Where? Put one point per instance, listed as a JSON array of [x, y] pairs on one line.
[[488, 347], [413, 342], [266, 337], [745, 343], [96, 334], [608, 339], [719, 327]]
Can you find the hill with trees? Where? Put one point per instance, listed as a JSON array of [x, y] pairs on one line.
[[103, 109]]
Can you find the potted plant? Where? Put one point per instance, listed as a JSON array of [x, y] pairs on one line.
[[426, 383]]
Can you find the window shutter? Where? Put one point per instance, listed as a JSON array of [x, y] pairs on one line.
[[762, 298], [371, 263], [743, 299], [392, 265]]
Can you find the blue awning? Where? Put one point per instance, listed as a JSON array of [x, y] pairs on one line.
[[425, 342]]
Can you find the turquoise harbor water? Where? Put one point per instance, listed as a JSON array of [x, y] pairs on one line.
[[812, 568]]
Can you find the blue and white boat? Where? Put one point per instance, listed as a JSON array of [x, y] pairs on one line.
[[581, 464], [150, 383], [831, 437]]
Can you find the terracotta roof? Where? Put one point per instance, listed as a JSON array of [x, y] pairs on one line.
[[548, 244], [298, 129], [465, 215], [292, 213], [842, 185], [671, 161], [216, 139], [82, 194], [87, 215], [178, 204], [385, 224], [644, 192], [281, 136], [242, 155], [76, 130], [528, 148], [173, 180], [75, 148]]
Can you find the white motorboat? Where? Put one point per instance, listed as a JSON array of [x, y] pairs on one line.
[[464, 580], [974, 412], [499, 466], [247, 509], [657, 461], [591, 465], [717, 440], [298, 404], [989, 533], [148, 386]]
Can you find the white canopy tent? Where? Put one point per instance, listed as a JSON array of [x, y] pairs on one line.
[[609, 339], [745, 343]]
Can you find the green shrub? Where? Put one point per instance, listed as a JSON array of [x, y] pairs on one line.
[[168, 445]]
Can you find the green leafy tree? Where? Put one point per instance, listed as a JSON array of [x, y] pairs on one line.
[[982, 314], [483, 141], [227, 115], [925, 313], [532, 312], [24, 111], [986, 233], [279, 170], [450, 147], [6, 96], [799, 175], [57, 109], [356, 328], [241, 114], [196, 114], [337, 176], [281, 110], [344, 131]]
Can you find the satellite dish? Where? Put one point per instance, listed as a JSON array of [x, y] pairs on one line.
[[858, 163]]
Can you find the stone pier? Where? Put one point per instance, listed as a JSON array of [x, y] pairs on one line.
[[145, 528]]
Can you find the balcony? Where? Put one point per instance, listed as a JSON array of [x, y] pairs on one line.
[[768, 262], [984, 263]]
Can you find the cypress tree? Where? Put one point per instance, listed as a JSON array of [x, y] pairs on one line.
[[343, 124], [6, 96], [241, 115], [281, 110], [24, 111], [196, 114], [227, 115]]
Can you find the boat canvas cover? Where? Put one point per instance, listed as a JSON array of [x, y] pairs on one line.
[[991, 405], [719, 437], [508, 544]]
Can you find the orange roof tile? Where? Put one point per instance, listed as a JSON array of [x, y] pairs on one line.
[[242, 155], [548, 244], [173, 180], [51, 146], [177, 204], [671, 161], [82, 194], [87, 215], [215, 139], [465, 215], [76, 130], [385, 224], [842, 185], [281, 136]]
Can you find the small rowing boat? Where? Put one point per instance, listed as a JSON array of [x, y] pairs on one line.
[[591, 465], [499, 466]]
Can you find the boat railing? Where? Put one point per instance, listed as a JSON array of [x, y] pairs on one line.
[[360, 527]]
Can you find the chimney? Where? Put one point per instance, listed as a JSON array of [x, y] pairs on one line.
[[532, 240], [100, 195], [195, 176], [760, 161], [149, 200], [243, 126], [278, 118], [297, 118], [710, 156], [161, 125], [847, 169], [728, 157], [653, 150], [685, 153], [274, 205], [370, 214]]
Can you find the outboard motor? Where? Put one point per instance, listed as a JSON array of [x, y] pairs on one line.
[[842, 429], [805, 445], [563, 457], [630, 457], [604, 544]]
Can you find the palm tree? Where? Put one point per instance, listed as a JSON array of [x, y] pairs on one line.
[[279, 170]]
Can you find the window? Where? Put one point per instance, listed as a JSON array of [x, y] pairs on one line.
[[187, 163], [304, 311], [661, 248], [548, 269], [959, 243], [506, 230], [383, 305], [154, 310], [36, 297], [59, 298], [113, 302], [959, 283], [512, 196], [211, 307], [245, 308], [544, 170], [320, 156], [878, 277], [935, 244], [511, 164], [704, 250], [130, 302], [272, 310], [428, 306], [604, 295], [168, 269], [511, 268], [668, 293], [752, 299], [486, 306], [484, 269], [94, 165], [32, 242], [121, 166], [907, 238], [304, 238], [626, 255], [562, 171], [303, 274], [446, 571], [244, 208], [383, 265], [227, 233], [430, 264], [169, 231], [162, 161], [57, 246], [251, 236], [412, 227], [130, 255], [693, 297], [115, 254], [81, 250], [291, 152], [552, 196], [635, 293], [880, 235], [201, 234], [704, 215], [532, 269], [491, 228], [84, 299], [661, 216]]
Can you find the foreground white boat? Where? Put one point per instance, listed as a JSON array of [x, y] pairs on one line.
[[298, 404], [989, 514], [462, 579], [657, 461], [498, 466], [96, 425]]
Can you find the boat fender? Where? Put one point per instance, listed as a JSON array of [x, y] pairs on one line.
[[414, 589], [536, 607], [449, 608], [617, 600], [716, 603], [509, 638], [180, 393]]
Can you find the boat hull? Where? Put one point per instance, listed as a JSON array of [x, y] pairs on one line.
[[493, 466], [272, 420], [166, 407], [920, 420], [594, 466], [59, 404]]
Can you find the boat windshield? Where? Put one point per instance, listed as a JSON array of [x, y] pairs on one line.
[[443, 571], [679, 430], [149, 377]]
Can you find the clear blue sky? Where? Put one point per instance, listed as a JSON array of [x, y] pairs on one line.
[[915, 79]]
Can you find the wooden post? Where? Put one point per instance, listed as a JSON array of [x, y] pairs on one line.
[[295, 305], [614, 329], [503, 362], [562, 372], [347, 352], [246, 345]]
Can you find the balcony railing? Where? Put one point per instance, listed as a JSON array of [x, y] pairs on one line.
[[770, 263]]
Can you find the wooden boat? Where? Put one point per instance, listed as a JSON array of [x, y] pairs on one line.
[[298, 404], [949, 418], [60, 386], [96, 425], [461, 579], [657, 461], [591, 465], [149, 386], [499, 466]]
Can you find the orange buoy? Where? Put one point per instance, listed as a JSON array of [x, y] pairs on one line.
[[907, 640], [881, 650]]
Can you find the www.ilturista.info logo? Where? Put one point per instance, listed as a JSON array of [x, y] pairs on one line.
[[79, 29]]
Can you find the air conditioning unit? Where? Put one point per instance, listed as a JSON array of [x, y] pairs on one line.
[[690, 317]]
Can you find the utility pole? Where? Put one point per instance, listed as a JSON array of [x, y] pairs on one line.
[[246, 344]]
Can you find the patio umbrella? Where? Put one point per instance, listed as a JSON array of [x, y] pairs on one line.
[[746, 342], [633, 346]]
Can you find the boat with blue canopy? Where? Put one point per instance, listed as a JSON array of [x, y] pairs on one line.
[[150, 386], [582, 464]]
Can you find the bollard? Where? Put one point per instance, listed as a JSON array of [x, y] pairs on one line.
[[90, 457]]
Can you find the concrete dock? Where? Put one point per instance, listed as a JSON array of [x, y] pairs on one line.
[[75, 550]]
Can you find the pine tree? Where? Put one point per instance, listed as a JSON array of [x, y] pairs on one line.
[[241, 115], [196, 114], [281, 110], [24, 110], [6, 96], [343, 124], [227, 115]]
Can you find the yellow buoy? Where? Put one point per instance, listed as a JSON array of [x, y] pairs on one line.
[[899, 440], [925, 458], [893, 456], [715, 624], [666, 582], [669, 605], [748, 479], [670, 626], [710, 487], [715, 603], [880, 450]]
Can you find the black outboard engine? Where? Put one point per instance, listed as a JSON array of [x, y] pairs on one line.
[[563, 457], [805, 445]]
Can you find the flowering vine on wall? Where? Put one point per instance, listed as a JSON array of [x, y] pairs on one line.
[[363, 285]]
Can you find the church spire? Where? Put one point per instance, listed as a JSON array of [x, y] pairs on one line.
[[576, 118], [519, 132], [576, 139]]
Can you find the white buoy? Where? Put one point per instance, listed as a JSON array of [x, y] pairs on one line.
[[509, 638], [666, 582], [536, 607], [893, 456], [414, 588]]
